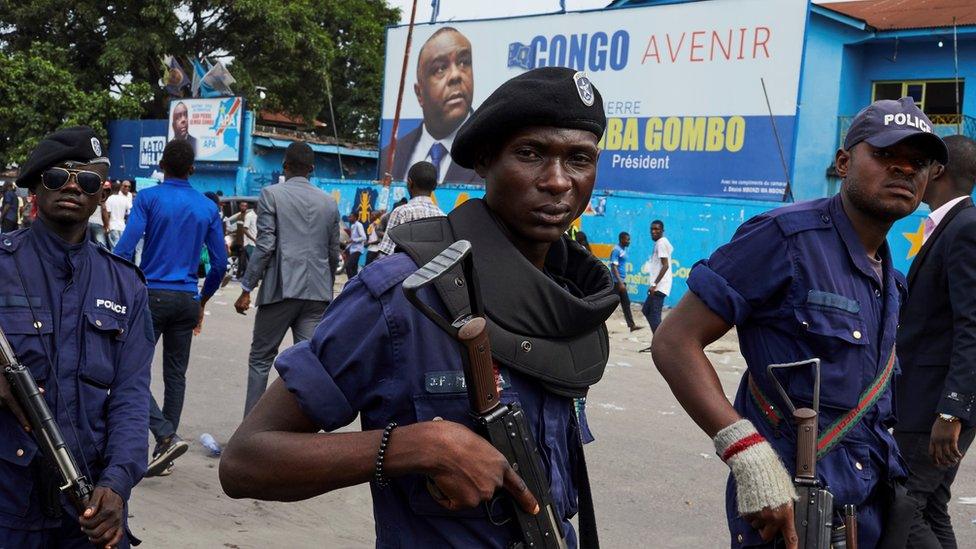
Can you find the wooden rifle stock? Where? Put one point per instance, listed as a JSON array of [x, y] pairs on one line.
[[806, 443], [479, 370]]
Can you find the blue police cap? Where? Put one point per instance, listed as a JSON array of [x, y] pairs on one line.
[[888, 121], [550, 96], [78, 143]]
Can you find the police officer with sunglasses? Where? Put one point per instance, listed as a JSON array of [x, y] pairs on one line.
[[77, 317]]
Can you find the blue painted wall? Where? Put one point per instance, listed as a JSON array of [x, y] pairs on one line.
[[820, 99]]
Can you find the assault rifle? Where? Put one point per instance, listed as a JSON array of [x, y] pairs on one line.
[[44, 426], [814, 510], [504, 425]]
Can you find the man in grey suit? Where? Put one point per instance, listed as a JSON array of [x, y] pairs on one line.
[[296, 254]]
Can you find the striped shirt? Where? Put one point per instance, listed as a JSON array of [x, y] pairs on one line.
[[419, 207]]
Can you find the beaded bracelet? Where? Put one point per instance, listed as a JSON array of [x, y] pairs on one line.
[[378, 477]]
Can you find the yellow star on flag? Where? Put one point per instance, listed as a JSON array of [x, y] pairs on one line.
[[915, 239]]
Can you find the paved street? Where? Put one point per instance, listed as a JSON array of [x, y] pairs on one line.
[[656, 479]]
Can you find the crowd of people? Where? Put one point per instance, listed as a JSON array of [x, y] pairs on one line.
[[88, 321]]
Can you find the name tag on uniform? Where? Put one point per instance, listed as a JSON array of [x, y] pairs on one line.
[[452, 382]]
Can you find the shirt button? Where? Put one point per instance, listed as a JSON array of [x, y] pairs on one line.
[[739, 538], [38, 325], [856, 334], [20, 452], [98, 323], [858, 466], [825, 218], [877, 292]]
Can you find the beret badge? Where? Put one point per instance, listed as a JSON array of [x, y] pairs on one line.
[[584, 88]]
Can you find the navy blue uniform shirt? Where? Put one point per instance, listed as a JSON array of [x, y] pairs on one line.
[[90, 308], [376, 356], [797, 283]]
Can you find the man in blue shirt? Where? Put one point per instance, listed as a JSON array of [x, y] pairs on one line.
[[77, 317], [376, 356], [176, 222], [618, 269], [813, 279]]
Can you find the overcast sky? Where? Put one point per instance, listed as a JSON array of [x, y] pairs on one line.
[[459, 10]]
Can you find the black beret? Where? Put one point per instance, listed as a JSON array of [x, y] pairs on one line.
[[550, 96], [78, 143]]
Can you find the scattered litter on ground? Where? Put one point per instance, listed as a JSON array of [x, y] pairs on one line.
[[967, 501], [624, 364], [610, 406], [705, 456], [666, 413]]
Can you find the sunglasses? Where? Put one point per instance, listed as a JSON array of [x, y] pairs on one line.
[[55, 178]]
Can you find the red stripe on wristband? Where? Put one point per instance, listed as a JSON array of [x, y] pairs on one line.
[[742, 445]]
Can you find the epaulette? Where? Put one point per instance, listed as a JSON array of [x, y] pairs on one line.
[[383, 274], [104, 251], [804, 220], [9, 242]]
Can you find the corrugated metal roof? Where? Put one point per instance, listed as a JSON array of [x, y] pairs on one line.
[[908, 14]]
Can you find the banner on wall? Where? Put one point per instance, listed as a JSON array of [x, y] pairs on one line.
[[212, 126], [681, 85]]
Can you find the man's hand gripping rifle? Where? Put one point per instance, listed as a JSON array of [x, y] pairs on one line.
[[44, 426], [504, 425]]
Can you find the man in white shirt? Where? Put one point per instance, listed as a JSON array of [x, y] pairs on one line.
[[357, 243], [98, 222], [659, 269], [444, 89], [244, 230], [118, 206]]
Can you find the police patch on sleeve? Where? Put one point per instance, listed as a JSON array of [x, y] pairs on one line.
[[584, 88], [96, 146]]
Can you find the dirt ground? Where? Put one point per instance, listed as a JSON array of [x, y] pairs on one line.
[[657, 482]]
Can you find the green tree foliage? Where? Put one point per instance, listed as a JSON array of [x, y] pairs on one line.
[[292, 49], [39, 95]]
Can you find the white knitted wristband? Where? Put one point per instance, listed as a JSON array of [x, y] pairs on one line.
[[760, 477]]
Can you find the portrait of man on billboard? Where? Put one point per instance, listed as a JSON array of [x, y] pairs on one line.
[[180, 120], [444, 90]]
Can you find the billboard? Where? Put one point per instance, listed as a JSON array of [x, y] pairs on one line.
[[682, 86], [212, 126]]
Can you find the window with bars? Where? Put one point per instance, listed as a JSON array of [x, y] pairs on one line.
[[936, 98]]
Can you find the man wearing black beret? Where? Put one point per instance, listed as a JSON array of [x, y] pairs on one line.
[[77, 317], [534, 140]]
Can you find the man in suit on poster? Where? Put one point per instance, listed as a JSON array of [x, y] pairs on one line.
[[444, 89], [936, 393]]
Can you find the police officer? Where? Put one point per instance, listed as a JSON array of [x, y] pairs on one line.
[[827, 289], [534, 141], [77, 317]]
